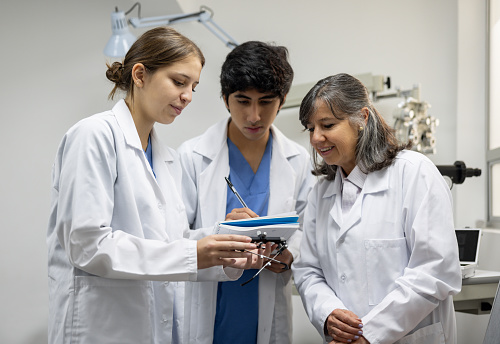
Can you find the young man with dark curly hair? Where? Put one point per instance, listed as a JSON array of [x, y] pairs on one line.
[[273, 176]]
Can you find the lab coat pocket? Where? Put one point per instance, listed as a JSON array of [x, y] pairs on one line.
[[385, 262], [113, 308], [432, 334]]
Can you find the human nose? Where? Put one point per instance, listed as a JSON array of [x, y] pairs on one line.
[[254, 114], [316, 136], [187, 96]]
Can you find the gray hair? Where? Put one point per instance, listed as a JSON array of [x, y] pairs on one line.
[[346, 97]]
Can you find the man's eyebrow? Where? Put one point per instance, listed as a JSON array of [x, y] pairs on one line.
[[268, 96], [241, 96]]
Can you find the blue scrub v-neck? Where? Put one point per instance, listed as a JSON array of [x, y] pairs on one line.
[[237, 313], [149, 155]]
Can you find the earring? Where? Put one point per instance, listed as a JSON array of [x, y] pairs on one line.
[[360, 128]]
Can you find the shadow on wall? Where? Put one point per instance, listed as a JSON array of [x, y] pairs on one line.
[[36, 337]]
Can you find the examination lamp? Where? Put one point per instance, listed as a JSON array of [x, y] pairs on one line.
[[122, 39], [458, 172]]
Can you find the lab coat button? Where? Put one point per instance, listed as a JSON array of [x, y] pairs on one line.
[[164, 319], [160, 206], [343, 278], [166, 283]]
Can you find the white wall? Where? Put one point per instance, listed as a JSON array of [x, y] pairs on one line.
[[470, 200], [470, 197], [411, 41], [53, 75]]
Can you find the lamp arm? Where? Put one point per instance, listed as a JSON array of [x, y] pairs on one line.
[[137, 22], [229, 41], [137, 4], [204, 16]]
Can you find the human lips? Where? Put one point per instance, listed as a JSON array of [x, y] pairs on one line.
[[253, 129], [177, 109], [324, 150]]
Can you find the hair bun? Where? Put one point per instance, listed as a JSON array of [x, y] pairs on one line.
[[115, 72]]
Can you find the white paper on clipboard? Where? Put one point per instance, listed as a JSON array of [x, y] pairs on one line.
[[282, 225]]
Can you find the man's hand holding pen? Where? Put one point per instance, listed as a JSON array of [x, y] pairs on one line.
[[274, 265], [240, 214]]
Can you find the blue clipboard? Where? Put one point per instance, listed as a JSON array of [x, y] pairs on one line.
[[263, 221]]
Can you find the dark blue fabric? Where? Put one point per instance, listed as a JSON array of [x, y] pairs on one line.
[[237, 314], [149, 155]]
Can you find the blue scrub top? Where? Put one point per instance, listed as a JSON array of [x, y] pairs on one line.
[[237, 314], [149, 155]]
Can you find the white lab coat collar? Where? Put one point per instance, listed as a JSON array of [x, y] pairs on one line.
[[213, 146], [162, 157], [356, 177], [126, 123], [211, 142], [209, 147], [375, 182]]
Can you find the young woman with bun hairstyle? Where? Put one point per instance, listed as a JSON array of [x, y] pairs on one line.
[[118, 236]]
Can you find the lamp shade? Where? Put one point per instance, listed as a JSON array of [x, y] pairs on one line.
[[121, 39]]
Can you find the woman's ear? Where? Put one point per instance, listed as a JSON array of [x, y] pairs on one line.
[[366, 114], [138, 74]]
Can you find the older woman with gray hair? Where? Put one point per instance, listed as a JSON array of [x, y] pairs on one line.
[[379, 260]]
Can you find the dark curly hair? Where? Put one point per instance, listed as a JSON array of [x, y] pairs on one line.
[[257, 65]]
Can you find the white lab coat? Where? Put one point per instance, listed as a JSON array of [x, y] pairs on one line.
[[114, 229], [205, 162], [393, 260]]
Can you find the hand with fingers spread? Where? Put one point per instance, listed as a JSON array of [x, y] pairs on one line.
[[226, 250], [344, 327]]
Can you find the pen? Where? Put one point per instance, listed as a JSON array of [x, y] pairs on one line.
[[235, 192]]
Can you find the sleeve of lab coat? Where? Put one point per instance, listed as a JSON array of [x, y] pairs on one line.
[[87, 165], [318, 298], [433, 271], [305, 185], [216, 272]]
